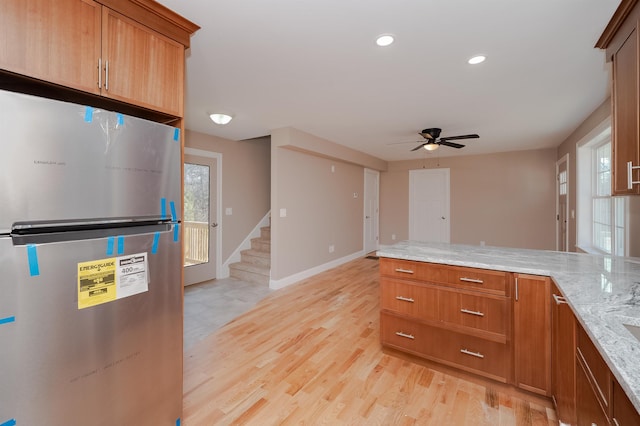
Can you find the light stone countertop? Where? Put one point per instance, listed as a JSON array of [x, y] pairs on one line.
[[603, 292]]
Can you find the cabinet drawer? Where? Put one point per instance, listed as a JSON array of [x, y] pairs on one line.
[[478, 279], [411, 270], [466, 352], [406, 335], [487, 313], [595, 368], [418, 301]]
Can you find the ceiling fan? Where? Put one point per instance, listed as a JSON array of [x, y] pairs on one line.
[[433, 139]]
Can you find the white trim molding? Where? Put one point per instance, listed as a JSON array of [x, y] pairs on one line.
[[291, 279]]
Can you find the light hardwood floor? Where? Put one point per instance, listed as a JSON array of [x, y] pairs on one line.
[[310, 354]]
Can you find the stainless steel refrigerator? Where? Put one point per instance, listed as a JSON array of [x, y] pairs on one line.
[[90, 267]]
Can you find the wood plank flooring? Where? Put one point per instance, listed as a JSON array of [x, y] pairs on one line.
[[310, 354]]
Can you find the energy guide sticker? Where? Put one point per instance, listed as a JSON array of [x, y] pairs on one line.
[[105, 280]]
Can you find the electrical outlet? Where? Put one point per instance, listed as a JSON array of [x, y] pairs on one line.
[[283, 212], [393, 237], [331, 248], [228, 211]]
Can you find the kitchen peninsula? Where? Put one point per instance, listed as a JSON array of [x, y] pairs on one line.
[[603, 293]]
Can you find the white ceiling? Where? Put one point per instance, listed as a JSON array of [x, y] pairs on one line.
[[314, 65]]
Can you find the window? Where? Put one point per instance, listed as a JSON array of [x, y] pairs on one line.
[[601, 217]]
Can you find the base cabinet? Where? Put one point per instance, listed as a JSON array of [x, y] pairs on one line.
[[532, 333], [563, 355], [590, 412]]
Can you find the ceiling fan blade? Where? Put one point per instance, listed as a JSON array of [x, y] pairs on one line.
[[426, 135], [419, 146], [454, 138], [451, 144]]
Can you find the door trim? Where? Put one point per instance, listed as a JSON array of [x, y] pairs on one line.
[[377, 210], [564, 159], [218, 233]]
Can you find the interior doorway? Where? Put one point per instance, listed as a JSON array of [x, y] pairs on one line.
[[429, 205], [562, 203], [201, 225], [371, 210]]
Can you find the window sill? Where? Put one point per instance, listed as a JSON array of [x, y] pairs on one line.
[[591, 250]]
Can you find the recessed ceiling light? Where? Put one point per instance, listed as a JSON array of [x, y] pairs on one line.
[[384, 40], [221, 119], [477, 59]]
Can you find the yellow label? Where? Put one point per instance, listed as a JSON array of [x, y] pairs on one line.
[[96, 282]]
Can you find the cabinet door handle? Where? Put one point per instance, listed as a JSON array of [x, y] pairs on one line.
[[106, 75], [559, 299], [405, 299], [408, 336], [516, 289], [630, 169], [404, 271], [615, 422], [471, 280], [99, 73], [476, 354], [476, 313]]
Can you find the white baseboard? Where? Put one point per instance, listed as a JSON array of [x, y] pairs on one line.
[[291, 279], [244, 245]]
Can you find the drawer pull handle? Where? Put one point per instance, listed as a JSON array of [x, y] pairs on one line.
[[476, 354], [405, 299], [471, 280], [401, 334], [559, 299], [404, 271], [476, 313]]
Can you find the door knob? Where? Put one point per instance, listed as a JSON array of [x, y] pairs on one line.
[[214, 224]]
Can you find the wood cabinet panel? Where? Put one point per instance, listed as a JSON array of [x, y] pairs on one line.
[[626, 133], [52, 40], [624, 413], [405, 298], [487, 313], [595, 367], [590, 412], [479, 279], [563, 350], [140, 65], [532, 333], [406, 335], [412, 270]]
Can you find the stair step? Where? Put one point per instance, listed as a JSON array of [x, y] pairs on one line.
[[256, 257], [261, 244], [265, 233], [249, 273]]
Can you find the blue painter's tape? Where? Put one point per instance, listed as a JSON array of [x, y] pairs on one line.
[[176, 134], [7, 320], [120, 244], [120, 119], [32, 254], [88, 117], [11, 422], [178, 421], [110, 242], [163, 207], [174, 217], [154, 247], [176, 232]]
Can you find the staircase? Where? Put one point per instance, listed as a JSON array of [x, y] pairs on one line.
[[255, 263]]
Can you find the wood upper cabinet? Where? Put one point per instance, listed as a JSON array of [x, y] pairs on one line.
[[532, 333], [563, 353], [141, 66], [56, 41], [127, 50], [620, 39]]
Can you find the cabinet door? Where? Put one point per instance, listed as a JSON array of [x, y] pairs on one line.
[[532, 333], [52, 40], [141, 66], [624, 413], [625, 115], [563, 353], [590, 412]]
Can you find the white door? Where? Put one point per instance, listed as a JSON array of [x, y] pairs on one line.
[[371, 218], [429, 205], [200, 225], [562, 204]]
